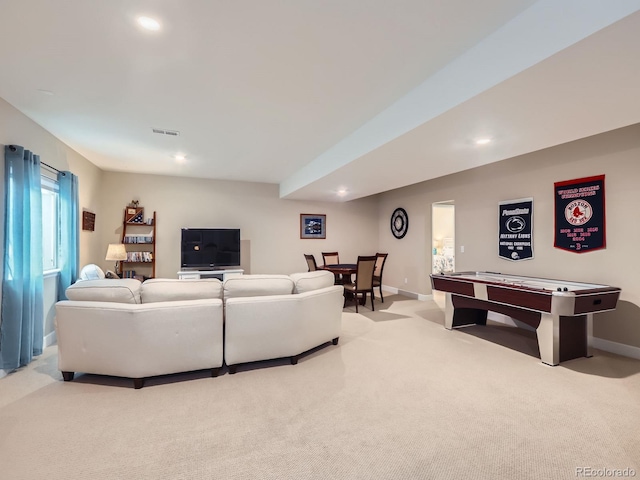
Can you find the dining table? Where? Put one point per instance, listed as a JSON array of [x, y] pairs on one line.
[[342, 271], [341, 268]]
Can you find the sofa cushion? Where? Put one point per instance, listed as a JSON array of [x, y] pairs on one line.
[[257, 286], [168, 289], [125, 290], [309, 281]]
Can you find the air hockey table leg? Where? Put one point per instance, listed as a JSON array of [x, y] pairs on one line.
[[548, 333], [458, 317], [589, 321], [448, 311]]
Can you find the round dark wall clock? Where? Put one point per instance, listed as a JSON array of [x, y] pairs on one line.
[[399, 222]]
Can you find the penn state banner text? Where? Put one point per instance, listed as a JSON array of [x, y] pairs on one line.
[[516, 229], [580, 214]]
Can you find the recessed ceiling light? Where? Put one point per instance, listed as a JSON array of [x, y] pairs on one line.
[[180, 157], [483, 141], [342, 192], [46, 92], [149, 23]]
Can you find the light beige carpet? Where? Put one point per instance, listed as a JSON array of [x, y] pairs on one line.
[[400, 397]]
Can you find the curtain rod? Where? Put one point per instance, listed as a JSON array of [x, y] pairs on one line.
[[13, 149], [50, 167]]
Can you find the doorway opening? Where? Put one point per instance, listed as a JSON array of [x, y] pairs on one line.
[[443, 220]]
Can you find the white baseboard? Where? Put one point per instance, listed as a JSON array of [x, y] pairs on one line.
[[49, 340], [2, 373], [407, 293], [617, 348], [506, 320], [599, 343]]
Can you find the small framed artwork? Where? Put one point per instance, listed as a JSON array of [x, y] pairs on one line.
[[313, 226], [88, 221]]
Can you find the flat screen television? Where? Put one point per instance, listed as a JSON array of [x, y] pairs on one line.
[[209, 248]]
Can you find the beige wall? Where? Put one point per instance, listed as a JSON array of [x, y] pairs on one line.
[[476, 194], [270, 226]]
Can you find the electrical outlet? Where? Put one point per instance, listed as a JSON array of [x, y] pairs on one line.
[[406, 280], [461, 248]]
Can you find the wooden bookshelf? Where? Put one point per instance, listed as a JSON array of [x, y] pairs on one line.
[[139, 239]]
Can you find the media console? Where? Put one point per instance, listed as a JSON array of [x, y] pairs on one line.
[[222, 274], [560, 311]]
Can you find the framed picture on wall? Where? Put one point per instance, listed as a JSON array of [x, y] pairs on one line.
[[313, 225], [88, 221]]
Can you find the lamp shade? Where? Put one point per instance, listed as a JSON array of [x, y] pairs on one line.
[[116, 251]]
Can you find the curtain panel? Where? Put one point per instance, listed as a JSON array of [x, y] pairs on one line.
[[21, 313], [68, 256]]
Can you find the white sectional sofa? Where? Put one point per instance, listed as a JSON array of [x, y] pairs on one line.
[[275, 316], [130, 329], [137, 330]]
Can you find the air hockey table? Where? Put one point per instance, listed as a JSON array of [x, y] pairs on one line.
[[560, 311]]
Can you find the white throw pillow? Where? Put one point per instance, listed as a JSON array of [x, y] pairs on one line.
[[91, 272]]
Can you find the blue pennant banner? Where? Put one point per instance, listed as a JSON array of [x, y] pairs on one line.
[[516, 229]]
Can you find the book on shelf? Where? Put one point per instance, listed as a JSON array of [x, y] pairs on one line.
[[138, 239], [141, 257]]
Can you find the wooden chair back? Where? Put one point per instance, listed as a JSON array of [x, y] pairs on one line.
[[380, 259], [364, 274], [330, 258], [311, 262]]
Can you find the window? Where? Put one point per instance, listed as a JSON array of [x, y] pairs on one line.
[[50, 223]]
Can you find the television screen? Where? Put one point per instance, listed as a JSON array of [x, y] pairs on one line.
[[210, 247]]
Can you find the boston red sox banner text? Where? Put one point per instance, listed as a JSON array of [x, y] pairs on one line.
[[579, 214]]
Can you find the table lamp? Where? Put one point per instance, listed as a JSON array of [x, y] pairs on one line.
[[116, 252]]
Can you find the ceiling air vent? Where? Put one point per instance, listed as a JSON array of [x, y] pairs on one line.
[[162, 131]]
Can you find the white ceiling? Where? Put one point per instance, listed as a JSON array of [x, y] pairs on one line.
[[319, 96]]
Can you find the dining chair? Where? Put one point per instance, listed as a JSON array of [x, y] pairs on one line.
[[311, 262], [330, 258], [381, 258], [364, 280]]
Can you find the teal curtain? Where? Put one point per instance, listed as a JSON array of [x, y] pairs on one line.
[[68, 257], [21, 315]]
